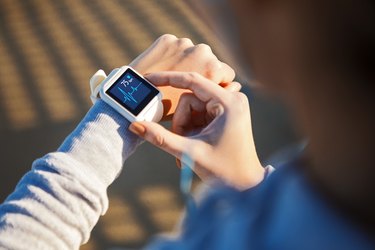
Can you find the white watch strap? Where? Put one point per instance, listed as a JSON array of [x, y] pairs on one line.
[[95, 84], [160, 112], [97, 81], [155, 113]]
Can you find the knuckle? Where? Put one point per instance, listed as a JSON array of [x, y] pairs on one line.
[[202, 47], [167, 38], [229, 71], [185, 100], [158, 140], [185, 42], [212, 71], [185, 97], [231, 74], [213, 65], [186, 79], [193, 76], [183, 79], [241, 98], [229, 68]]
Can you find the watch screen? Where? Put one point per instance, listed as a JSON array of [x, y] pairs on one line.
[[132, 92]]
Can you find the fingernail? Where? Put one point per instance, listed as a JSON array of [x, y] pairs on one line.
[[178, 163], [137, 129], [218, 109]]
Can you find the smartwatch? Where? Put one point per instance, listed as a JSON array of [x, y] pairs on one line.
[[129, 93]]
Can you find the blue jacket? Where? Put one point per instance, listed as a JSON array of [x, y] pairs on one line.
[[284, 212]]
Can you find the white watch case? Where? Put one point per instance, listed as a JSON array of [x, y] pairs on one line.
[[100, 83]]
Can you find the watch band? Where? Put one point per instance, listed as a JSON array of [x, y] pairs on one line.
[[156, 114], [95, 83]]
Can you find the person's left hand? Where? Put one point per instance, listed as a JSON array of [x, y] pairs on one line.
[[169, 53]]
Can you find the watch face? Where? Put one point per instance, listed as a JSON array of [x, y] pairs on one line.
[[132, 92]]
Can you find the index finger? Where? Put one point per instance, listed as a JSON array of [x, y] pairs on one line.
[[202, 88]]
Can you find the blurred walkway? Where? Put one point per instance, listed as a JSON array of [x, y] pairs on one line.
[[48, 51]]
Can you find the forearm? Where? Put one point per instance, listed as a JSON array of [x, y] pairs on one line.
[[58, 202]]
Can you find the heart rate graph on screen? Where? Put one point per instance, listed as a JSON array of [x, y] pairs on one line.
[[128, 95], [130, 91]]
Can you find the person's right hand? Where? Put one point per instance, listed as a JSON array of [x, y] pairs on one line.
[[222, 145]]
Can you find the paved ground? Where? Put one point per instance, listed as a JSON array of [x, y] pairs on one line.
[[48, 51]]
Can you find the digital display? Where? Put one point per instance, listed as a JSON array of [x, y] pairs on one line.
[[132, 92]]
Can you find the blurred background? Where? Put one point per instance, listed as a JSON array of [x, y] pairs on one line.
[[48, 52]]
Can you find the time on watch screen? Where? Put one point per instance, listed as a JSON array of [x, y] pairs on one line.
[[132, 92]]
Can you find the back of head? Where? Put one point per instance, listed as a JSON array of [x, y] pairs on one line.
[[319, 55], [345, 35]]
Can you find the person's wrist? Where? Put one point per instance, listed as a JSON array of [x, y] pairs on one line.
[[101, 107], [101, 142], [250, 178], [135, 66]]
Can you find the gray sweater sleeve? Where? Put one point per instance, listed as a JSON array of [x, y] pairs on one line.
[[58, 202]]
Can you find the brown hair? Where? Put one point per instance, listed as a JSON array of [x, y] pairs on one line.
[[347, 30]]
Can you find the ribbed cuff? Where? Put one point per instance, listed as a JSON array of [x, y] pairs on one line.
[[101, 142]]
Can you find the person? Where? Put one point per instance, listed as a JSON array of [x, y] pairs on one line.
[[317, 56], [57, 203]]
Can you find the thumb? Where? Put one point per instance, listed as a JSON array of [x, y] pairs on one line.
[[159, 136]]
